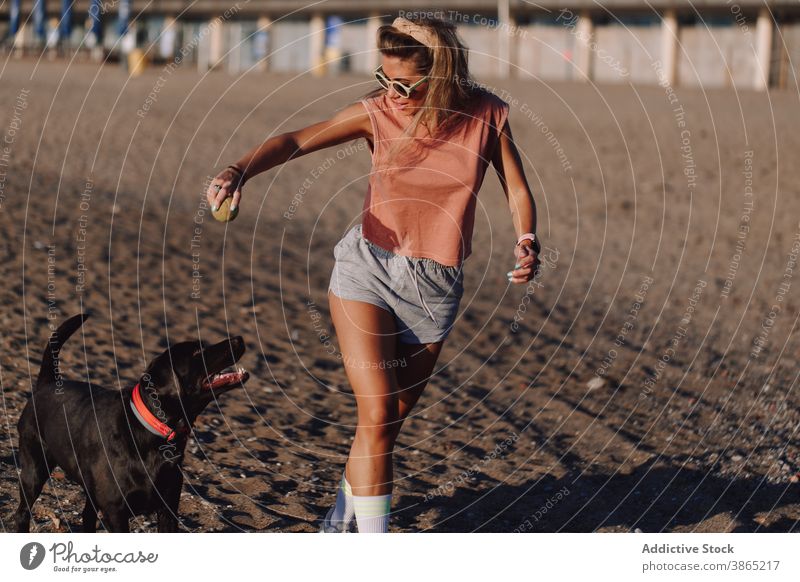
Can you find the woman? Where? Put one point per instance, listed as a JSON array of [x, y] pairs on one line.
[[397, 281]]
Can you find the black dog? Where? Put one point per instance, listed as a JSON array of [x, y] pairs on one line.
[[125, 448]]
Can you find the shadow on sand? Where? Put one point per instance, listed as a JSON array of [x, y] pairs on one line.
[[654, 498]]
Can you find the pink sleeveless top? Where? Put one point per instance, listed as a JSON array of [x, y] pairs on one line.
[[426, 207]]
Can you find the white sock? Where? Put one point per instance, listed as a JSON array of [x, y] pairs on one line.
[[372, 512], [343, 511]]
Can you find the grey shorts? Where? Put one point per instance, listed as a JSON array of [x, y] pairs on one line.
[[422, 294]]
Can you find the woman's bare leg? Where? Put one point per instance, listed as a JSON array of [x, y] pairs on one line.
[[418, 362], [367, 339]]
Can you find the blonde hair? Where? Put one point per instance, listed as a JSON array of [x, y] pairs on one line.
[[452, 92]]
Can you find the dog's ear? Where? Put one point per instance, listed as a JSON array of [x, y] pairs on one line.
[[158, 376], [199, 346], [167, 369]]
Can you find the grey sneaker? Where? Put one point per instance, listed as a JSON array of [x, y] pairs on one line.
[[328, 527]]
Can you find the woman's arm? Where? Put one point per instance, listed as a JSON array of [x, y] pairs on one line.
[[507, 163], [350, 123]]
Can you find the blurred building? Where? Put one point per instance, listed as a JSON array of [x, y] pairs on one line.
[[714, 43]]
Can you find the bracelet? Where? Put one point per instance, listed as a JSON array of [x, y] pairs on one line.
[[237, 168], [527, 236]]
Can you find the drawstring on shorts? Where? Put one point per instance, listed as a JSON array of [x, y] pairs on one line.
[[413, 271]]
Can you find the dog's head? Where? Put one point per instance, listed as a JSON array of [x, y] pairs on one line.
[[188, 375]]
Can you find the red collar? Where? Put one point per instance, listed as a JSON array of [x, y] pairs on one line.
[[148, 419]]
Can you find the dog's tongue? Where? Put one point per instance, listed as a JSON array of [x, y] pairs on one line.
[[226, 377]]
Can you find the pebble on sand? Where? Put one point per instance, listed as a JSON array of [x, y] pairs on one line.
[[596, 383]]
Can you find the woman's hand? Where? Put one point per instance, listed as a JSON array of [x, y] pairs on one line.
[[527, 256], [228, 182]]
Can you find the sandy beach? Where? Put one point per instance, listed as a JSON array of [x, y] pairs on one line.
[[647, 381]]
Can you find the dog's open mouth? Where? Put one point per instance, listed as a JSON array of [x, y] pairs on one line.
[[227, 378]]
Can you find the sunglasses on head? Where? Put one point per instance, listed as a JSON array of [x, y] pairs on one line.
[[401, 88]]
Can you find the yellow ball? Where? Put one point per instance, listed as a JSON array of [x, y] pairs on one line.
[[223, 213]]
